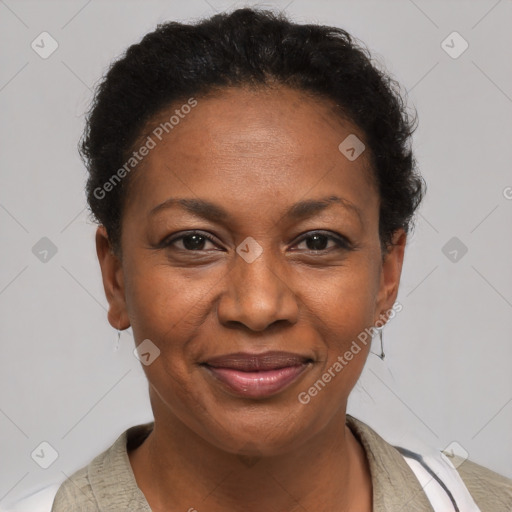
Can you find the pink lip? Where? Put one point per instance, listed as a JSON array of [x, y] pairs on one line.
[[257, 375]]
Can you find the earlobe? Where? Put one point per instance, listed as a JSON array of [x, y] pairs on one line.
[[113, 282]]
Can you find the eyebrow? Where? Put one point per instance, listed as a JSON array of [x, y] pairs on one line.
[[211, 211]]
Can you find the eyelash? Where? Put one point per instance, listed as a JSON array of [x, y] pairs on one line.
[[341, 242]]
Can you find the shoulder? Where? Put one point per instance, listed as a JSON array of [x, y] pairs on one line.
[[81, 491], [75, 491], [107, 482], [467, 482], [491, 491]]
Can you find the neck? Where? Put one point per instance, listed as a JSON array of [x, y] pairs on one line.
[[176, 467]]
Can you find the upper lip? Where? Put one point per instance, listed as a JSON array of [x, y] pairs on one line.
[[245, 361]]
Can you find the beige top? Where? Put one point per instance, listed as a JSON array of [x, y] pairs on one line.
[[108, 484]]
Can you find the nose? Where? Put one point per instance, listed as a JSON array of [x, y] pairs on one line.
[[257, 295]]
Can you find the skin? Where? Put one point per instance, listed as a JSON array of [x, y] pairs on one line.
[[255, 153]]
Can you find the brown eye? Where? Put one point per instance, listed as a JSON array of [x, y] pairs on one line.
[[193, 241], [319, 241]]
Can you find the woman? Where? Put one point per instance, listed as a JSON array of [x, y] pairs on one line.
[[254, 187]]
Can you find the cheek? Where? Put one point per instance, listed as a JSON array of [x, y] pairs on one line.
[[165, 308], [343, 299], [342, 307], [164, 302]]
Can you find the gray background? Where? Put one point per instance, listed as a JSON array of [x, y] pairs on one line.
[[446, 376]]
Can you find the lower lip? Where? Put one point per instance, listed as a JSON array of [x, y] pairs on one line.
[[260, 384]]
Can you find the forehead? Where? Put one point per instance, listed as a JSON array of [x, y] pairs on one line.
[[254, 143]]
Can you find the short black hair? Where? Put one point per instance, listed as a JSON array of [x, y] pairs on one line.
[[258, 48]]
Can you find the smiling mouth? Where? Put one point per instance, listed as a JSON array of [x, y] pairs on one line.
[[257, 375]]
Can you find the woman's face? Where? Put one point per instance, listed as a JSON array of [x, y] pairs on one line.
[[288, 267]]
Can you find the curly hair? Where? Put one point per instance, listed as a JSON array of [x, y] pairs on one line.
[[258, 48]]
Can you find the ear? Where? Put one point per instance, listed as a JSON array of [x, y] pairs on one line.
[[390, 276], [113, 282]]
